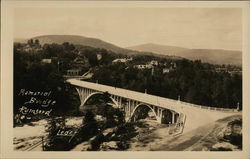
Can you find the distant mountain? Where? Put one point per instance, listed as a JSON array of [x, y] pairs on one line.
[[92, 42], [156, 48], [79, 40], [206, 55], [215, 56]]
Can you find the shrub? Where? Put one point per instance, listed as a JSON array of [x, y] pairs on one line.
[[55, 143], [89, 127], [110, 123], [95, 144], [221, 149], [122, 145], [235, 139], [58, 144]]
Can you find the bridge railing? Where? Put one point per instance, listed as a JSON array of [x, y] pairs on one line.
[[209, 108], [178, 127], [74, 77], [162, 99]]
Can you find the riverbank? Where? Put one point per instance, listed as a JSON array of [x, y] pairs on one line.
[[146, 135]]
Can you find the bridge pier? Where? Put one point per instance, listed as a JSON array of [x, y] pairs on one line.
[[129, 107], [159, 115], [173, 117]]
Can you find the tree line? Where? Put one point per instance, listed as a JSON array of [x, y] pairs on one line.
[[191, 81]]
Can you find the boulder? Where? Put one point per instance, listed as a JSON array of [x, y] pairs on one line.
[[105, 146], [224, 146]]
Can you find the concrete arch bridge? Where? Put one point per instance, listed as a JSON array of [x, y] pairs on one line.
[[167, 111]]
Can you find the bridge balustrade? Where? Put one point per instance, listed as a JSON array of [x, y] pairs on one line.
[[207, 107]]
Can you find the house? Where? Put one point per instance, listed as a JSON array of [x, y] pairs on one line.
[[79, 60], [122, 60], [221, 69], [73, 72], [27, 49], [143, 66], [153, 63], [46, 60], [99, 57], [166, 70], [235, 73], [173, 65], [149, 65], [170, 68]]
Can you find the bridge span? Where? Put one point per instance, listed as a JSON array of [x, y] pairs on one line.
[[185, 116]]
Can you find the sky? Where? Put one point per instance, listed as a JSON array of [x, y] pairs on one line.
[[205, 28]]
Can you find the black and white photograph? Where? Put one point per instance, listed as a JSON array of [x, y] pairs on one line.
[[127, 79]]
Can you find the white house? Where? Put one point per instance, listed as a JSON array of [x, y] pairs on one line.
[[153, 62], [46, 60], [99, 57], [165, 70], [143, 66], [122, 60]]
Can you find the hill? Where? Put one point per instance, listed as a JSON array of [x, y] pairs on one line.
[[79, 40], [214, 56], [206, 55], [156, 48], [91, 42]]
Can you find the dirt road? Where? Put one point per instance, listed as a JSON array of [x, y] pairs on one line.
[[200, 139]]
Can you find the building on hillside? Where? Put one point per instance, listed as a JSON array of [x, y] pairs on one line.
[[46, 61], [153, 63], [166, 70], [173, 65], [32, 48], [73, 72], [235, 72], [122, 60], [143, 66], [221, 69], [149, 65], [169, 68], [99, 57], [79, 60], [27, 49]]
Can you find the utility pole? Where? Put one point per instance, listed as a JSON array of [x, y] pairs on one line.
[[58, 63]]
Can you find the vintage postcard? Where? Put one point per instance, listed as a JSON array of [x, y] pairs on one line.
[[89, 79]]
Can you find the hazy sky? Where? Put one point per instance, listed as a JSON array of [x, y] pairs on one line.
[[187, 27]]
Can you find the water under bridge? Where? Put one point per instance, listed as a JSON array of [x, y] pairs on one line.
[[185, 116]]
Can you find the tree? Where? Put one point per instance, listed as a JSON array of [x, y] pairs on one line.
[[30, 42], [56, 143], [89, 126], [31, 74], [37, 42], [89, 117]]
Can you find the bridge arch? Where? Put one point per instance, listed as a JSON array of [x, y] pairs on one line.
[[142, 105], [96, 93]]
